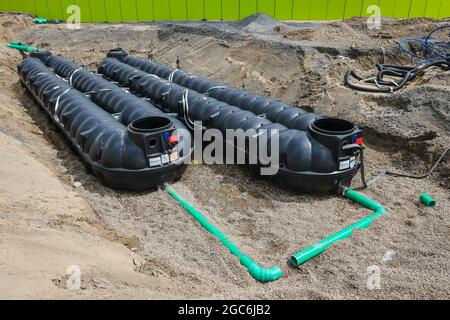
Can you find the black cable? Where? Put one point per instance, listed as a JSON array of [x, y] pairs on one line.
[[397, 174], [403, 73], [433, 168], [427, 46]]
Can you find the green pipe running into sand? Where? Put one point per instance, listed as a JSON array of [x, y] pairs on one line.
[[316, 249], [256, 271]]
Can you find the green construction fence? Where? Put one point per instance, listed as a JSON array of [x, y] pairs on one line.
[[156, 10]]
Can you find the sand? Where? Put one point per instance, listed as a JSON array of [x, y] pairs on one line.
[[143, 245]]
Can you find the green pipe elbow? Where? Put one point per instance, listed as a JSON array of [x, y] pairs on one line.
[[260, 273], [255, 270]]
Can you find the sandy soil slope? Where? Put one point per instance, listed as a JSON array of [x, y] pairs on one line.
[[142, 245]]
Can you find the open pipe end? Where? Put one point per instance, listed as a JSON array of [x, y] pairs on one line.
[[294, 261], [427, 200], [333, 126]]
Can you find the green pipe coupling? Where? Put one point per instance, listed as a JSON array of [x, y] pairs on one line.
[[427, 200]]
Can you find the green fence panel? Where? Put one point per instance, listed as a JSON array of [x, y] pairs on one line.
[[5, 5], [318, 9], [387, 8], [283, 9], [148, 10], [11, 5], [64, 5], [161, 10], [366, 4], [98, 10], [432, 9], [129, 12], [444, 11], [335, 10], [300, 9], [113, 11], [85, 7], [21, 5], [213, 9], [247, 8], [42, 8], [8, 5], [195, 9], [16, 6], [28, 6], [178, 10], [230, 9], [267, 7], [417, 8], [54, 10], [402, 8], [353, 8], [145, 10]]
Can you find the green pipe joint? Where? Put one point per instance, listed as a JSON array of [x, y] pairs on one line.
[[427, 200], [256, 271], [40, 20], [316, 249]]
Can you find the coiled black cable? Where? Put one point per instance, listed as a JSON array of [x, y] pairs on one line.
[[435, 54], [404, 74]]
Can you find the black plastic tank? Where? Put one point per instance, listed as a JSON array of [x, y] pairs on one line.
[[274, 110], [122, 155], [316, 159]]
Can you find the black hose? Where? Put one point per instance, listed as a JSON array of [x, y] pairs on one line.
[[404, 73], [397, 174]]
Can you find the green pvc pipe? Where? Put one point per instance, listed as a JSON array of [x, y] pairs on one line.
[[256, 271], [40, 20], [21, 47], [316, 249]]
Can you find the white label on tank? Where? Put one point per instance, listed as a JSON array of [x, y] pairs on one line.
[[154, 162], [165, 158], [174, 156], [352, 162], [344, 165]]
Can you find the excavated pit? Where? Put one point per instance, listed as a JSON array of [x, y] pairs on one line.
[[302, 64]]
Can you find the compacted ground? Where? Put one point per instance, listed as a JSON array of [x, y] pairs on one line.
[[143, 245]]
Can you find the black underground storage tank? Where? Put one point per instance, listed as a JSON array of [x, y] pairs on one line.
[[273, 110], [316, 153], [143, 153]]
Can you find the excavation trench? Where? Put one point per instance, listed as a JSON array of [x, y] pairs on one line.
[[269, 222]]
